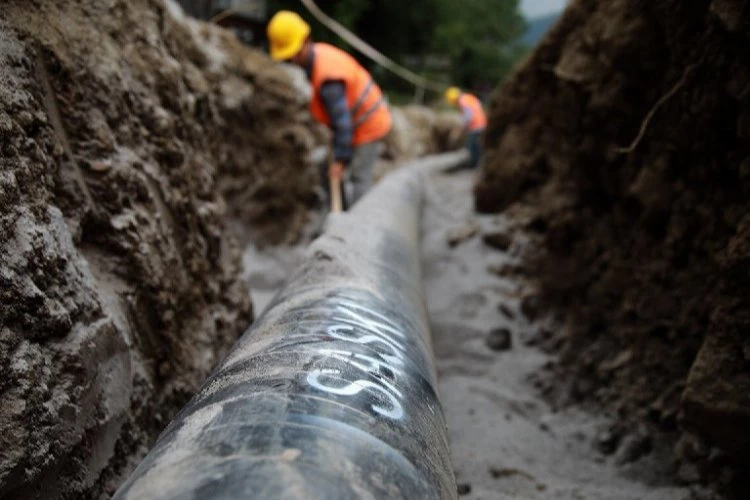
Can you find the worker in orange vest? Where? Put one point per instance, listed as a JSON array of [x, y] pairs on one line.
[[475, 121], [345, 98]]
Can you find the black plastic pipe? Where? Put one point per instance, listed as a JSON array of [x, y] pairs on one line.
[[331, 394]]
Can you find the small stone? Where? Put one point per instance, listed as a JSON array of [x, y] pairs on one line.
[[506, 311], [499, 241], [635, 446], [608, 440], [290, 454], [463, 489], [458, 235], [688, 474], [622, 359], [530, 307], [691, 448], [99, 165], [506, 472], [499, 339]]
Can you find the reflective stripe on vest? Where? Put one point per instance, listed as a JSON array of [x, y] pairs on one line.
[[361, 98], [370, 115], [364, 116]]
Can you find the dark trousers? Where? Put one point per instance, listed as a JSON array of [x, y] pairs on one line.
[[474, 145]]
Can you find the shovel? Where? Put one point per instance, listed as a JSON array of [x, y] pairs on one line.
[[337, 204]]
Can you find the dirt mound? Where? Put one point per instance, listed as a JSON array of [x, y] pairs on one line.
[[623, 144], [128, 136]]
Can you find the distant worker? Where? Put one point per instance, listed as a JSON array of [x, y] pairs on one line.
[[475, 121], [344, 97]]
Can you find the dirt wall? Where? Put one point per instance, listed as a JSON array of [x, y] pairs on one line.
[[129, 136], [624, 141]]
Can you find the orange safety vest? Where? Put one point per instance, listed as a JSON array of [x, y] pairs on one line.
[[478, 118], [372, 120]]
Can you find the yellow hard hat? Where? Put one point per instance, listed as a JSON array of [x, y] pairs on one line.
[[451, 95], [287, 32]]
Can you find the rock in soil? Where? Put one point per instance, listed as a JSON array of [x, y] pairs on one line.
[[499, 339], [463, 489], [531, 306], [635, 446], [499, 241], [506, 270], [608, 440], [506, 311], [458, 235]]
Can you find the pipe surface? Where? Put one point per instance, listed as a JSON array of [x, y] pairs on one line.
[[332, 393]]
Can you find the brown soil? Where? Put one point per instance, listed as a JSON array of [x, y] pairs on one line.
[[120, 279], [623, 145]]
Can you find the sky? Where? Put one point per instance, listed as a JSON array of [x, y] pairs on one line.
[[536, 8]]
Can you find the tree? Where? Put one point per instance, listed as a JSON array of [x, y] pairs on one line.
[[478, 36]]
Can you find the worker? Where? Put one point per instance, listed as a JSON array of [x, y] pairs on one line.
[[475, 121], [345, 98]]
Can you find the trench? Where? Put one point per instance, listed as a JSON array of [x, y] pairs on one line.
[[504, 438]]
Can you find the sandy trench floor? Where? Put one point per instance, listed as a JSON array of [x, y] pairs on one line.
[[506, 440]]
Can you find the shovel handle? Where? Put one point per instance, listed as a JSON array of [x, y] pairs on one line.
[[336, 203]]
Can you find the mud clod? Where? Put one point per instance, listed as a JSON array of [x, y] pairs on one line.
[[531, 306], [463, 489], [499, 340], [635, 446], [608, 440], [458, 235], [499, 241], [506, 311]]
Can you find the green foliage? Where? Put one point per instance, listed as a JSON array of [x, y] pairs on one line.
[[479, 37]]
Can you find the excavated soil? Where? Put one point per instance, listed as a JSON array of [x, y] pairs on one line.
[[140, 151], [130, 139], [623, 147]]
